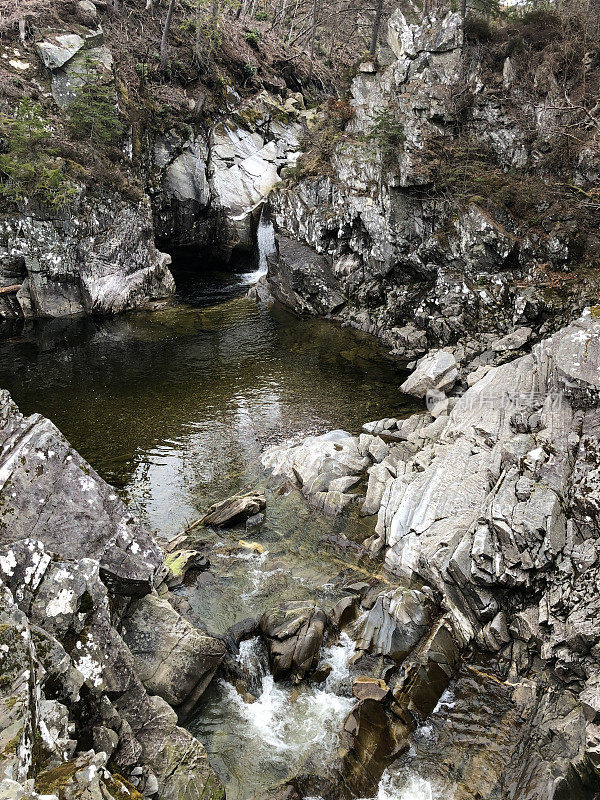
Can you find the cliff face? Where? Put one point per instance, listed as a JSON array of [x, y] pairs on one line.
[[97, 257], [182, 175], [448, 210]]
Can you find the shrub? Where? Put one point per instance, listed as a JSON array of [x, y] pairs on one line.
[[477, 29], [28, 167], [386, 132], [253, 38], [262, 16], [93, 115]]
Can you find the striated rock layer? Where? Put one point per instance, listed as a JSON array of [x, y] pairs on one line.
[[494, 505]]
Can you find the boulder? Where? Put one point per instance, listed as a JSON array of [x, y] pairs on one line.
[[513, 341], [418, 688], [48, 492], [437, 370], [366, 688], [180, 562], [235, 509], [63, 593], [294, 634], [396, 623], [370, 740], [172, 659]]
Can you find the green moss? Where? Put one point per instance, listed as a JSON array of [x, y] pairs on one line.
[[175, 562], [53, 780], [10, 748], [120, 789]]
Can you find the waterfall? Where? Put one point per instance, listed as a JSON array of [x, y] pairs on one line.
[[265, 245], [265, 241]]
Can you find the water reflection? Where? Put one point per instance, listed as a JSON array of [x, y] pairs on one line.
[[174, 406]]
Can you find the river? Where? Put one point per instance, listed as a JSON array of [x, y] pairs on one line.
[[173, 406]]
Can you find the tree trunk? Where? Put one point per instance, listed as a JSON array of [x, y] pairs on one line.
[[312, 39], [164, 42], [463, 8], [376, 26]]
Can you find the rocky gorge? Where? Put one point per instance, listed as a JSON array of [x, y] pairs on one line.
[[266, 604]]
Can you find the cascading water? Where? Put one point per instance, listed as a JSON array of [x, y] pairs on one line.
[[270, 736], [265, 245]]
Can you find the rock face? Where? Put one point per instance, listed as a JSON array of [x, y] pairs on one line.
[[209, 188], [97, 258], [494, 506], [294, 634], [78, 583], [422, 271]]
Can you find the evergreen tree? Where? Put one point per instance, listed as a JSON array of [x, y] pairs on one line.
[[27, 171], [93, 114]]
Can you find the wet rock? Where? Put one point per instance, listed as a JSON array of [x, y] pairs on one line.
[[180, 562], [395, 624], [321, 673], [171, 658], [344, 611], [234, 510], [426, 677], [294, 634], [244, 629], [303, 280], [365, 688], [437, 370], [370, 741]]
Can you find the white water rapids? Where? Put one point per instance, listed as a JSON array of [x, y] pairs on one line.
[[294, 722]]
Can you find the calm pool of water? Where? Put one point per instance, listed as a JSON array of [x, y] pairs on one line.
[[174, 406]]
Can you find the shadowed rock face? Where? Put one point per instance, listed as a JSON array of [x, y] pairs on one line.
[[99, 258], [73, 563]]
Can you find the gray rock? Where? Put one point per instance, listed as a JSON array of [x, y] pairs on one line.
[[438, 370], [395, 624], [235, 509], [514, 341], [294, 634], [98, 258], [172, 659]]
